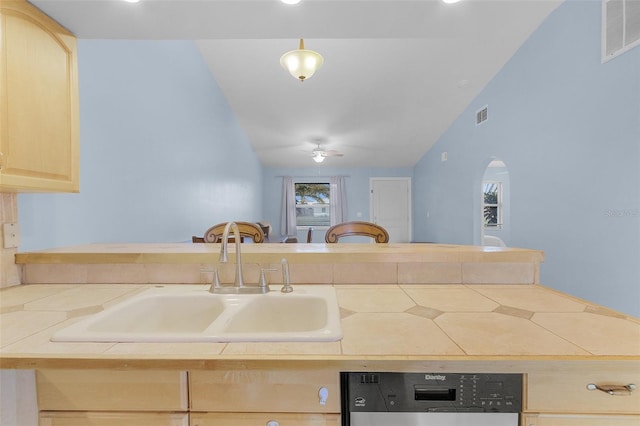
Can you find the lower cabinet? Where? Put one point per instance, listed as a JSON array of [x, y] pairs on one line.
[[580, 420], [577, 395], [63, 418], [265, 398], [264, 419], [265, 391], [112, 390], [197, 398], [112, 398], [556, 395], [574, 391]]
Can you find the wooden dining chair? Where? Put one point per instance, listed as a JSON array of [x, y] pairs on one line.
[[247, 230], [365, 229]]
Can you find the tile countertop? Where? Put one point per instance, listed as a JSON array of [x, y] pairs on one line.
[[176, 253], [395, 323]]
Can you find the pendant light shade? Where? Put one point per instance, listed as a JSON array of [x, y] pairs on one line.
[[301, 63]]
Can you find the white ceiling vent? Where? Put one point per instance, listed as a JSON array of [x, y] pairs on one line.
[[620, 27], [482, 115]]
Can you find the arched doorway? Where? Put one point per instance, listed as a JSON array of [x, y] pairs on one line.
[[495, 204]]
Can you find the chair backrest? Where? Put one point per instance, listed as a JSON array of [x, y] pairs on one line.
[[366, 229], [309, 234], [247, 229]]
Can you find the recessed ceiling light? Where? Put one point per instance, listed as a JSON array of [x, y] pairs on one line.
[[131, 1], [450, 1], [290, 1]]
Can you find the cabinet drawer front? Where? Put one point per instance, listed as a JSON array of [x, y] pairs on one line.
[[95, 390], [580, 420], [566, 392], [264, 391], [50, 418], [252, 419]]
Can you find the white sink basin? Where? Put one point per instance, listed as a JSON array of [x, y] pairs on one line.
[[280, 314], [187, 313]]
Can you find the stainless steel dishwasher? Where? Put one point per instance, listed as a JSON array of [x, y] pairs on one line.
[[430, 399]]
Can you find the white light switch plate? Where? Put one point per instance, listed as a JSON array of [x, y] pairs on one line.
[[11, 235]]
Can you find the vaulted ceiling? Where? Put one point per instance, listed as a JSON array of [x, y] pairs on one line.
[[396, 73]]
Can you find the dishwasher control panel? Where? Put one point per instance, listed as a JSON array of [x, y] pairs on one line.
[[431, 392]]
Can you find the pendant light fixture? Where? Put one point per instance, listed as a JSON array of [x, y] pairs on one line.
[[301, 63]]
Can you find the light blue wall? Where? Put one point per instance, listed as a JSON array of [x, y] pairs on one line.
[[568, 128], [356, 182], [159, 145]]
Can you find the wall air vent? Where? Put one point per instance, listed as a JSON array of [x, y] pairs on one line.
[[482, 115], [620, 27]]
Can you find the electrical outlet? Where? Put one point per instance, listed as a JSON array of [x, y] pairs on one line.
[[11, 235], [443, 156]]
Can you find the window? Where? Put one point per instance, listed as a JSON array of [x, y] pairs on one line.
[[620, 27], [313, 206], [492, 204]]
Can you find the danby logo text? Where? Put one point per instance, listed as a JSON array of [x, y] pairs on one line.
[[434, 377]]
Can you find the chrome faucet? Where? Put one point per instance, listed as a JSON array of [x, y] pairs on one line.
[[224, 257], [238, 284]]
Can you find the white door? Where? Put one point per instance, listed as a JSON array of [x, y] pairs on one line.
[[391, 207]]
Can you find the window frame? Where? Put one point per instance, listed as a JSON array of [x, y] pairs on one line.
[[318, 180], [499, 205]]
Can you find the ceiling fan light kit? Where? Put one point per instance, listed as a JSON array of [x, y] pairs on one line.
[[318, 157], [319, 154], [301, 63]]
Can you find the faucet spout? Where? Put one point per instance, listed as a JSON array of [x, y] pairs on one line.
[[224, 257]]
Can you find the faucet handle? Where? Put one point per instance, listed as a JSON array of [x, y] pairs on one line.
[[263, 276], [215, 284]]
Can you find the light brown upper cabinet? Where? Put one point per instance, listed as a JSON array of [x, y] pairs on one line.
[[39, 128]]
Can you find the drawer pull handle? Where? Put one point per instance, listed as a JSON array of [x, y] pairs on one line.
[[617, 390]]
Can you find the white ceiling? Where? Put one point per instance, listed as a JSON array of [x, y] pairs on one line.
[[396, 73]]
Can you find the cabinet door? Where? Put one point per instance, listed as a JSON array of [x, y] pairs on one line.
[[262, 419], [579, 420], [39, 126], [556, 391], [51, 418], [107, 390], [293, 391]]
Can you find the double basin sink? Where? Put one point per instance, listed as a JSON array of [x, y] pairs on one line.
[[190, 313]]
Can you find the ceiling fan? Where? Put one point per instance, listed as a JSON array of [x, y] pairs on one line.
[[319, 154]]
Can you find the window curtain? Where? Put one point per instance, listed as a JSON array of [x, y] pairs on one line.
[[338, 199], [288, 219]]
